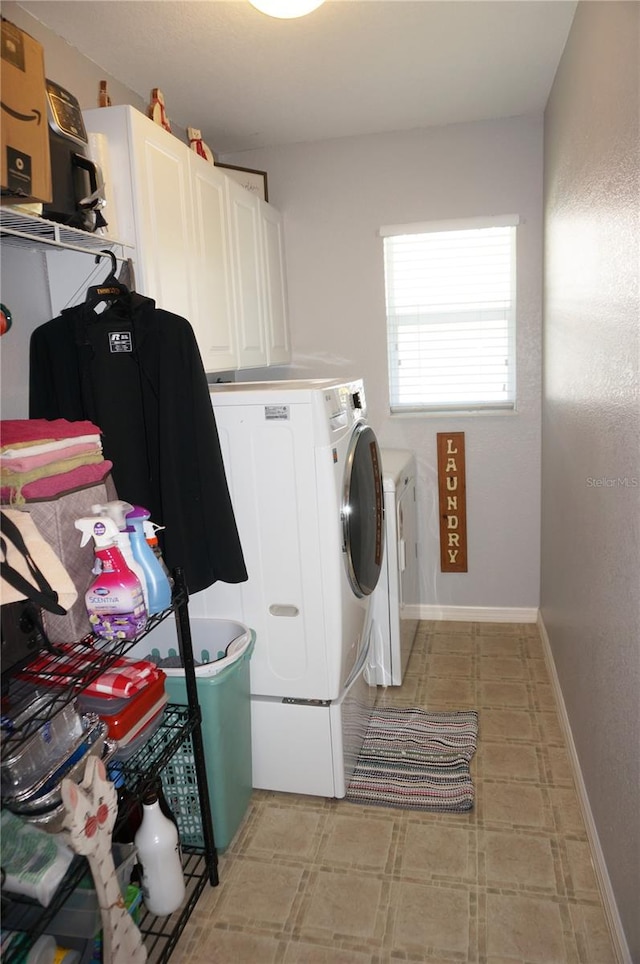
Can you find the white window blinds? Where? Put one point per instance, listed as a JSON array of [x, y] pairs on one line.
[[450, 293]]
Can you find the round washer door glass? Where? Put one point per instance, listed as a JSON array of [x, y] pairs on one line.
[[362, 512]]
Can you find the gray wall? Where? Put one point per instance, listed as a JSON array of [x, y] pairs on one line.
[[335, 195], [591, 419], [66, 66]]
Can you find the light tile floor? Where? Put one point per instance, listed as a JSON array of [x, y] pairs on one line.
[[322, 881]]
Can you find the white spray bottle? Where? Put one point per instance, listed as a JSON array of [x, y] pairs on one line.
[[117, 511], [114, 600]]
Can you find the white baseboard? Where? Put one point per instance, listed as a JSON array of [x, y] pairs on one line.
[[474, 614], [602, 874]]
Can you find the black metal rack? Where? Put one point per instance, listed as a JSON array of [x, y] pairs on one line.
[[180, 727]]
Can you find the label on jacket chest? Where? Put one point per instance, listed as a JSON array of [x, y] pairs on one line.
[[120, 341]]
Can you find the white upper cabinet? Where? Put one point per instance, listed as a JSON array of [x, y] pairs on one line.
[[164, 212], [206, 248], [278, 345], [248, 275], [211, 264]]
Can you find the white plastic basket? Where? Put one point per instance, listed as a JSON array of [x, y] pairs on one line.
[[217, 644]]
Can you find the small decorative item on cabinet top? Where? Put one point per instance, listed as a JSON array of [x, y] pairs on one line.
[[253, 181], [104, 100], [157, 111], [198, 145]]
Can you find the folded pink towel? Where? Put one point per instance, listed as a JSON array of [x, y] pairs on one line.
[[24, 430]]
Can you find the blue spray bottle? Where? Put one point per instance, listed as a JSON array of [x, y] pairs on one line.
[[151, 530], [158, 588]]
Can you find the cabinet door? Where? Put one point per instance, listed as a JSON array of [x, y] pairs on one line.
[[215, 310], [248, 278], [277, 333], [164, 225]]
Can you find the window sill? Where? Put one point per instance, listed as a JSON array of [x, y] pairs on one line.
[[459, 413]]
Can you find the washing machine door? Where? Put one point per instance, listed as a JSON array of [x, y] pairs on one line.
[[362, 512]]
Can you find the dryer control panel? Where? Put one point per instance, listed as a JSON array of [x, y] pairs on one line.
[[345, 404]]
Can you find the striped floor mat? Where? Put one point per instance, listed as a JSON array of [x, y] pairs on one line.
[[416, 760]]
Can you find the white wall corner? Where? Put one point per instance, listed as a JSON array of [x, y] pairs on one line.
[[619, 940], [475, 614]]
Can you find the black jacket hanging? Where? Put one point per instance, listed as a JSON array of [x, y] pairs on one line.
[[136, 372]]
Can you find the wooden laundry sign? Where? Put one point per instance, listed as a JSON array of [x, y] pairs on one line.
[[452, 493]]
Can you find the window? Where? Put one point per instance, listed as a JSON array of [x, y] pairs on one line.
[[450, 294]]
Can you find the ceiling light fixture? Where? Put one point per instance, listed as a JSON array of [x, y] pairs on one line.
[[286, 9]]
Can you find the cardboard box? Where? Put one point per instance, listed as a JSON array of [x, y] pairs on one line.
[[26, 165]]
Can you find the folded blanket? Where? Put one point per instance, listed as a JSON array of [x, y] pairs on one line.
[[44, 448], [18, 432], [17, 480], [56, 485], [27, 462]]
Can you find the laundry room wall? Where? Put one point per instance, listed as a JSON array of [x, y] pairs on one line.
[[335, 195], [590, 604]]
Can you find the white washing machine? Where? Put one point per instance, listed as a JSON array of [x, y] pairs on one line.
[[305, 478], [395, 599]]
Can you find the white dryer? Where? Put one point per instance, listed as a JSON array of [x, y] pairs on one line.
[[395, 599], [305, 478]]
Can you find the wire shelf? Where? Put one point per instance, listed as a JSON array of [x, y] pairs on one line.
[[179, 736], [62, 683], [30, 231]]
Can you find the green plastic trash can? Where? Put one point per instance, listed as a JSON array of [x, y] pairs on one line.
[[223, 648]]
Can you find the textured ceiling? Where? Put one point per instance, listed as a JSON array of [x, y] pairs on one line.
[[351, 67]]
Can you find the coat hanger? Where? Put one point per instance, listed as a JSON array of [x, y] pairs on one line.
[[110, 288]]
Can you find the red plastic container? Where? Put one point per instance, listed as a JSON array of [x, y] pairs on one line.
[[126, 718]]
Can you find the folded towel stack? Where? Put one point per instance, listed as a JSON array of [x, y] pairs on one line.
[[43, 459]]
